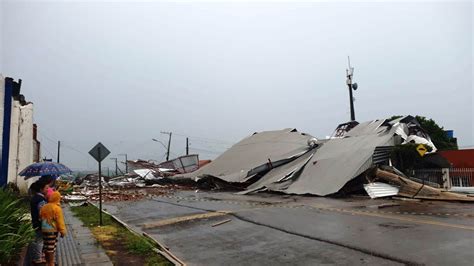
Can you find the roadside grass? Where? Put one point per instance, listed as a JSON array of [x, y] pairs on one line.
[[113, 237]]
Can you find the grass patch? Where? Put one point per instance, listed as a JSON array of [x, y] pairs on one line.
[[120, 244]]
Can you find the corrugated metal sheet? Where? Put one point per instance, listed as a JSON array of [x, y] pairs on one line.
[[255, 154], [379, 190], [187, 163], [381, 154]]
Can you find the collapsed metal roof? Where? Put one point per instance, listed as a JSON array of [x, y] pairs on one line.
[[257, 153], [296, 163], [335, 162]]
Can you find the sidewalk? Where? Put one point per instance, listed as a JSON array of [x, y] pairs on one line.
[[79, 247]]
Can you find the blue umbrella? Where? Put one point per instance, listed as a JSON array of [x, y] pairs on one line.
[[44, 168]]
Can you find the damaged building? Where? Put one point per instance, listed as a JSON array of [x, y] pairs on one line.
[[292, 162], [19, 145]]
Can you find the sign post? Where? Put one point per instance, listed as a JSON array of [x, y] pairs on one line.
[[421, 150], [99, 152]]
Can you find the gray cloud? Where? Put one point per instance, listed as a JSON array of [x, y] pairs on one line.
[[122, 72]]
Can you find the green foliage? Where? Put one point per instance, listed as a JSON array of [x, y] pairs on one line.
[[437, 134], [16, 231], [406, 157]]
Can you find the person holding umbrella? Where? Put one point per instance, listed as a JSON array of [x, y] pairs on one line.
[[38, 200], [50, 180], [39, 191]]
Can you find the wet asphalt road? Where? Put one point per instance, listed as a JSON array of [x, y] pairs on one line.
[[282, 230]]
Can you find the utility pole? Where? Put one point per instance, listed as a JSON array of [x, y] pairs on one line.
[[116, 166], [126, 162], [351, 86], [169, 144], [187, 146], [162, 144], [108, 171], [59, 149], [100, 186]]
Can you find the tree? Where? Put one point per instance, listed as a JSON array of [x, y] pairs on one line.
[[438, 136]]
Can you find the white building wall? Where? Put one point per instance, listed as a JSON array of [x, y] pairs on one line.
[[2, 97], [14, 126], [25, 155], [21, 144]]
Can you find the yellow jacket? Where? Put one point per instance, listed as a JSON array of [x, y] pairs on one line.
[[51, 215]]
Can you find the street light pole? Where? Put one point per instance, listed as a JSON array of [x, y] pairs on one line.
[[162, 144], [187, 146], [126, 162]]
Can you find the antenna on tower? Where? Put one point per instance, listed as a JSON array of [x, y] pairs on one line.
[[350, 70]]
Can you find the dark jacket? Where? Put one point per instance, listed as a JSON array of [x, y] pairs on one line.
[[37, 201]]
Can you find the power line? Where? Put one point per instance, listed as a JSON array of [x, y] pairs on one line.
[[74, 149], [47, 151], [208, 151], [47, 138], [42, 128], [138, 146], [204, 139]]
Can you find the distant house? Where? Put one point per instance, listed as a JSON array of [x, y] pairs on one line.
[[460, 158], [462, 167]]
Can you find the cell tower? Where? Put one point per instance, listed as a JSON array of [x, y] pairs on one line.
[[351, 86]]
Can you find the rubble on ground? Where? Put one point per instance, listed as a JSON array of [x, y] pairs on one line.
[[80, 195], [356, 158], [132, 186]]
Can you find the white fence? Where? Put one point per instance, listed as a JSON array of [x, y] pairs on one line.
[[461, 177], [430, 177], [446, 177]]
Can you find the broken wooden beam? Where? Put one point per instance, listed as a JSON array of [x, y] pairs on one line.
[[412, 189]]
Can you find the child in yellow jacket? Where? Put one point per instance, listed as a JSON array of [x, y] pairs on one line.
[[52, 223]]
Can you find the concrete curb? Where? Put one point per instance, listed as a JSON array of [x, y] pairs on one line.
[[164, 250]]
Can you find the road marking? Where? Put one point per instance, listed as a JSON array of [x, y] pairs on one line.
[[400, 218]]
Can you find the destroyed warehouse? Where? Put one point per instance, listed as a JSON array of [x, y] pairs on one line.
[[292, 162]]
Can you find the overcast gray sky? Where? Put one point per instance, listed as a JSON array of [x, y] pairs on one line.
[[122, 72]]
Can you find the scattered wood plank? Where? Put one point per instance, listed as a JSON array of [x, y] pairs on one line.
[[383, 205], [221, 222], [406, 199]]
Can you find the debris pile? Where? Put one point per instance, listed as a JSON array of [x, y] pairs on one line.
[[81, 195], [137, 185], [183, 164], [292, 162], [411, 189]]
